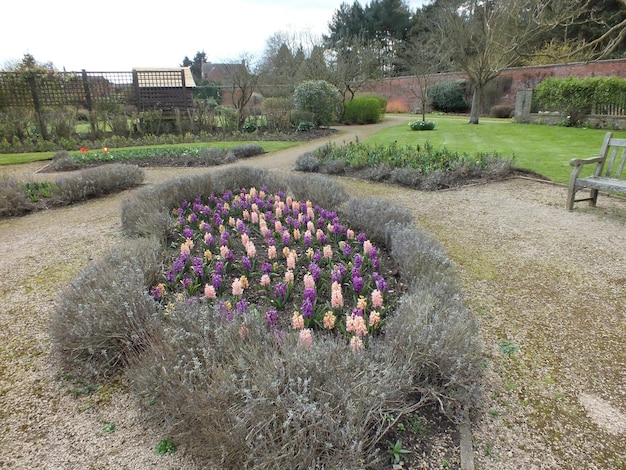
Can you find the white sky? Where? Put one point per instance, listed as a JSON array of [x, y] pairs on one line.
[[117, 35]]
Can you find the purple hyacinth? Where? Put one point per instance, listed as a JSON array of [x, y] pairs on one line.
[[315, 271], [198, 266], [193, 218], [307, 239], [357, 284], [187, 232], [347, 249], [307, 308], [224, 237], [186, 282], [216, 280], [170, 276], [280, 290], [286, 238], [219, 268], [310, 294], [271, 317], [178, 266], [317, 256], [357, 261], [241, 307], [246, 263], [361, 237], [266, 268]]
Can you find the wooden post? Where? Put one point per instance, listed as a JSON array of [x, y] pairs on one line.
[[41, 124]]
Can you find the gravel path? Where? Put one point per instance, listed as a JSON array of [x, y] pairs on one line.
[[548, 285]]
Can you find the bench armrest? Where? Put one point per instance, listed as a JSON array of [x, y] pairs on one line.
[[585, 161]]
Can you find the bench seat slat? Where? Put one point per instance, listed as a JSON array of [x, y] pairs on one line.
[[602, 184]]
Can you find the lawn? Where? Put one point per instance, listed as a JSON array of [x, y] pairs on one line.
[[543, 149]]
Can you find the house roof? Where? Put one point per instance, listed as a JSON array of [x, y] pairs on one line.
[[164, 77], [220, 73]]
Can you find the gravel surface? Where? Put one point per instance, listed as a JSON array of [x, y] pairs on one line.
[[548, 285]]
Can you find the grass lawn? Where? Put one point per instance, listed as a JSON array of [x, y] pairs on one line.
[[268, 146], [543, 149]]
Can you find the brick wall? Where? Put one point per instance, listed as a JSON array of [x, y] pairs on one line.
[[403, 88]]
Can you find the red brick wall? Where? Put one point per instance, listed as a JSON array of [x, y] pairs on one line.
[[521, 78]]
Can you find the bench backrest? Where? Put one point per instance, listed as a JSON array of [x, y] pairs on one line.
[[614, 152]]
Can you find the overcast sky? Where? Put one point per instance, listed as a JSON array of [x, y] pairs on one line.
[[117, 35]]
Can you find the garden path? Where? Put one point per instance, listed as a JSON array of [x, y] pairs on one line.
[[548, 285]]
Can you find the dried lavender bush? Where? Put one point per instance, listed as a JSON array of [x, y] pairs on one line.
[[105, 316]]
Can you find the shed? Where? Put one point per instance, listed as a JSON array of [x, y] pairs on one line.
[[163, 88]]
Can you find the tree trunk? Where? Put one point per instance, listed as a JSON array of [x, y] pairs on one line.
[[475, 111]]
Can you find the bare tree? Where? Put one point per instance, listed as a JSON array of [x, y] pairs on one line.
[[353, 62], [244, 82], [486, 37]]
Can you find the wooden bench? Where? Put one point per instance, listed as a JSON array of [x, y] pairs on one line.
[[609, 174]]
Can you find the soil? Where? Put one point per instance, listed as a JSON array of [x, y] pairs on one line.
[[548, 285]]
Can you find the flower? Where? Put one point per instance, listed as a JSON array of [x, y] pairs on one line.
[[328, 252], [367, 247], [271, 316], [289, 276], [336, 299], [265, 280], [297, 321], [361, 303], [356, 324], [356, 344], [237, 287], [271, 252], [291, 260], [306, 337], [377, 299], [374, 320], [84, 149], [309, 282], [329, 320], [209, 291]]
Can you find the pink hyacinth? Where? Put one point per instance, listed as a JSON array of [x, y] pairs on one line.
[[278, 226], [265, 280], [291, 260], [289, 276], [336, 299], [244, 239], [297, 321], [374, 320], [186, 247], [328, 252], [350, 234], [377, 299], [356, 324], [296, 234], [250, 249], [356, 344], [271, 252], [306, 337], [237, 287], [254, 217], [209, 291], [309, 282], [367, 247]]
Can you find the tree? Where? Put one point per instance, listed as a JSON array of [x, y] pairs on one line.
[[353, 63], [487, 36], [424, 54], [244, 83], [195, 66]]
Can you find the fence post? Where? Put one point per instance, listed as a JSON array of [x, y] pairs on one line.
[[137, 92], [87, 91], [41, 124]]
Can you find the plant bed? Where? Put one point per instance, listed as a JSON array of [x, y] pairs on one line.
[[225, 371]]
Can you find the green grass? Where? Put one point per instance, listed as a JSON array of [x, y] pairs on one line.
[[268, 146], [543, 149]]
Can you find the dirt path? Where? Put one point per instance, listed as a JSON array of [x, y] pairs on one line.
[[548, 285]]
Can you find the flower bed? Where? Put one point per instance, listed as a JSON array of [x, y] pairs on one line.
[[289, 259]]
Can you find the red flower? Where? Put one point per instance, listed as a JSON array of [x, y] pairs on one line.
[[84, 149]]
